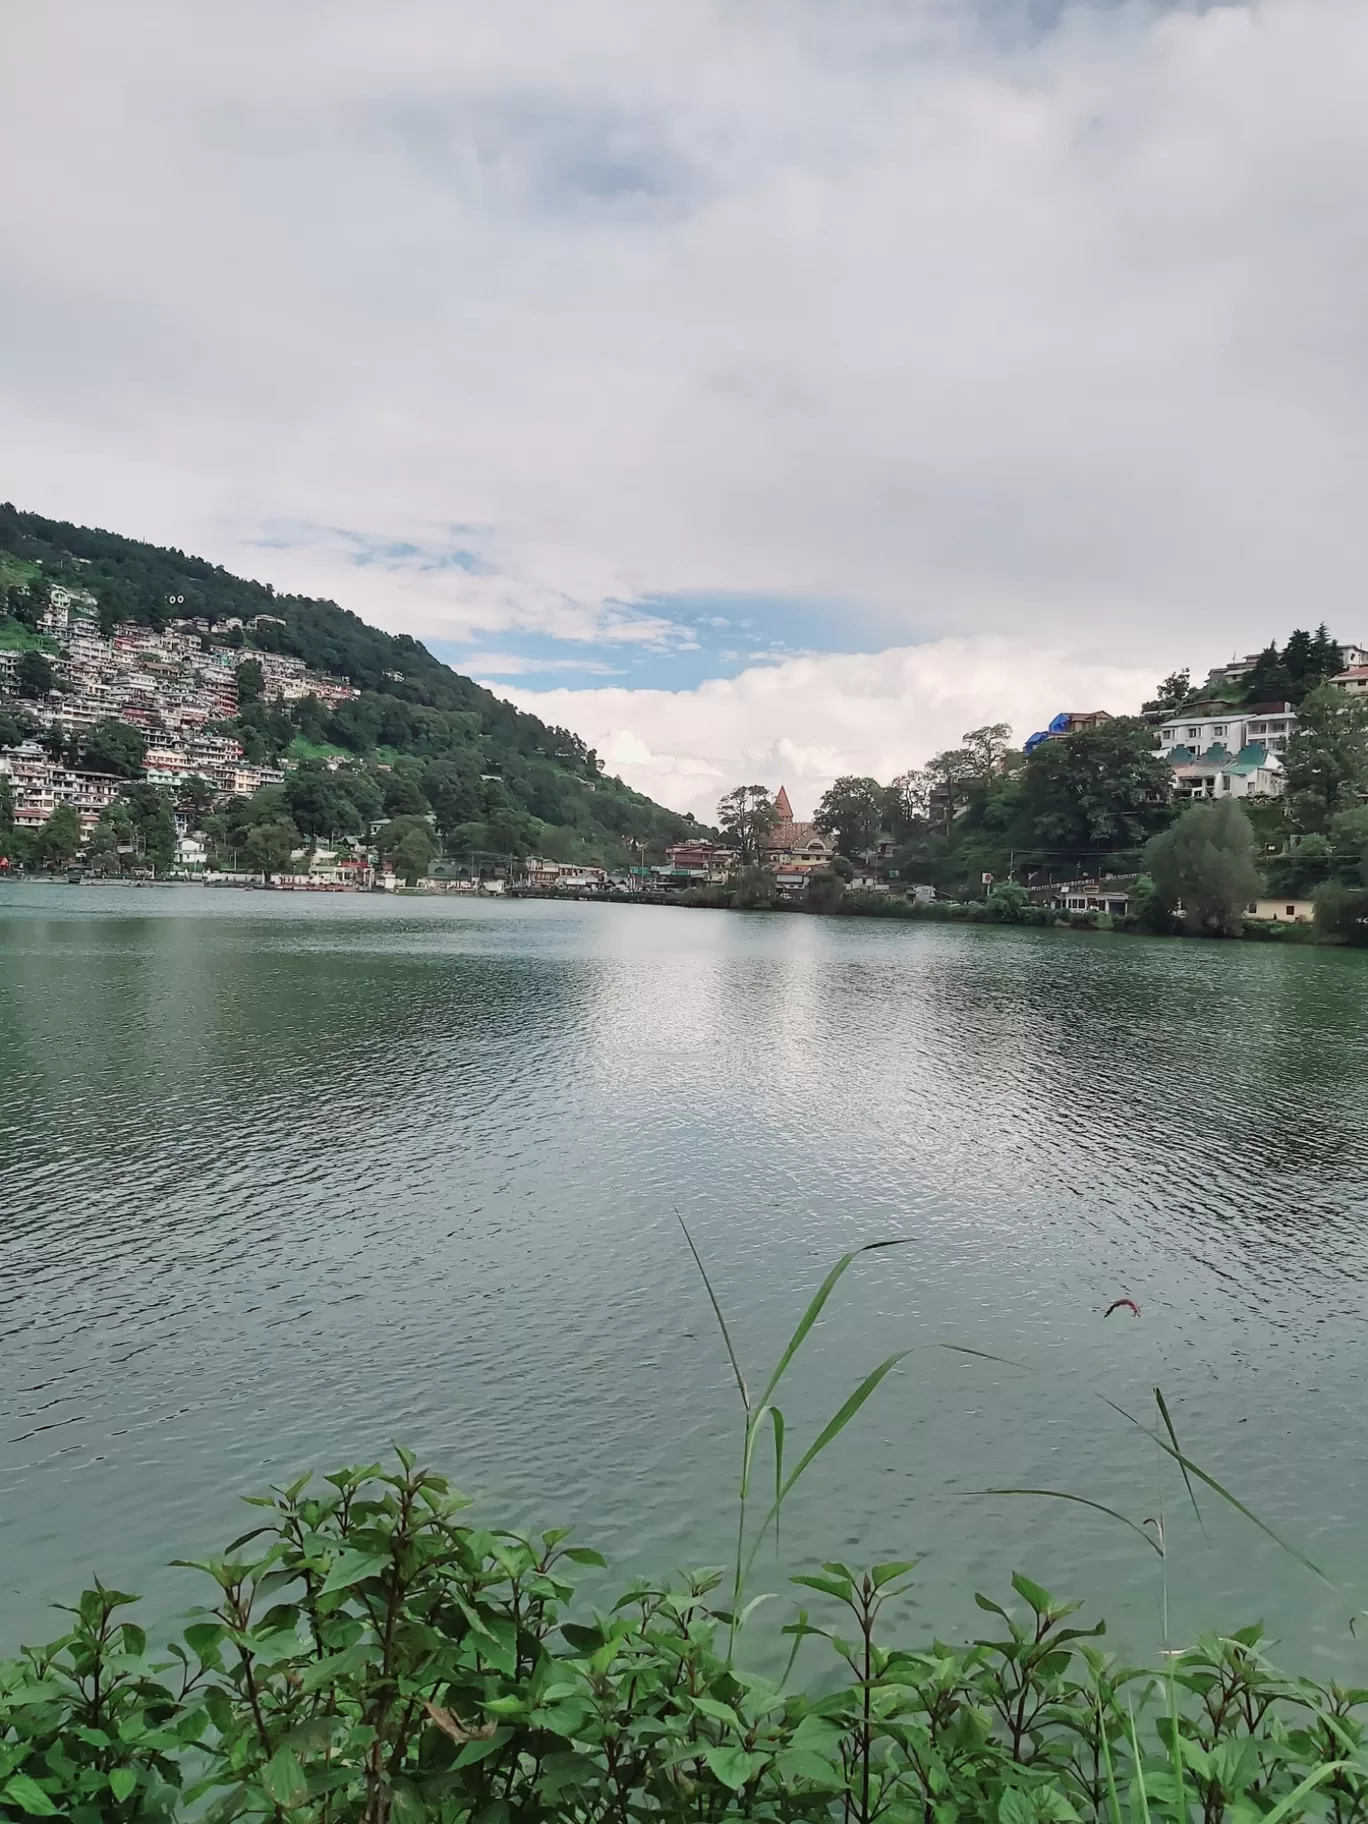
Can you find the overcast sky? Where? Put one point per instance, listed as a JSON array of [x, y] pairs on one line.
[[766, 391]]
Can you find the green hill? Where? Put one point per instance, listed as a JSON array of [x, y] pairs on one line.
[[493, 776]]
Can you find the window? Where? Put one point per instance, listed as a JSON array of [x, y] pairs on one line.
[[1193, 734], [1291, 911], [1219, 728]]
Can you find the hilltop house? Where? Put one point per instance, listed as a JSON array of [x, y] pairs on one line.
[[1067, 722], [1353, 679]]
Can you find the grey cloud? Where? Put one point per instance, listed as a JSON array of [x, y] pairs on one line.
[[982, 318]]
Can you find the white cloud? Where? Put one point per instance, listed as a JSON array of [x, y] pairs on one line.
[[805, 722], [1053, 335], [489, 667]]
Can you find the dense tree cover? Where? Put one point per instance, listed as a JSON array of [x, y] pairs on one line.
[[34, 676], [554, 795], [112, 746], [1286, 676], [852, 811], [1084, 803], [1327, 758]]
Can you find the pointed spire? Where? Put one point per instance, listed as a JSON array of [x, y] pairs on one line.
[[783, 810]]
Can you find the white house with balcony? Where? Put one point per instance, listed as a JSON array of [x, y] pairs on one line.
[[1268, 726]]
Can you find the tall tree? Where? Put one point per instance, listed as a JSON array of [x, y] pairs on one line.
[[196, 795], [953, 774], [268, 847], [907, 802], [746, 816], [988, 748], [1299, 655], [1173, 691], [1268, 680], [60, 837], [1326, 657], [1205, 861], [1099, 791], [251, 681], [411, 855], [1326, 761], [112, 746], [851, 810], [34, 676]]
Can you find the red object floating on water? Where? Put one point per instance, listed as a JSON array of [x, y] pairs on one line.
[[1123, 1304]]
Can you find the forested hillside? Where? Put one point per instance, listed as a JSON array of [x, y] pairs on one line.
[[499, 777]]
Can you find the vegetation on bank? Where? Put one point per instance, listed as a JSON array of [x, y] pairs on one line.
[[367, 1653]]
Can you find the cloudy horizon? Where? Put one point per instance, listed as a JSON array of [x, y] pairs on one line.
[[765, 393]]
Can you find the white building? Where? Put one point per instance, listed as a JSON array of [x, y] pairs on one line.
[[1233, 729], [1253, 772]]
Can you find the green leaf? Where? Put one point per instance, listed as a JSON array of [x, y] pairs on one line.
[[719, 1712], [334, 1666], [829, 1586], [1015, 1808], [733, 1766], [405, 1805], [885, 1573], [352, 1568], [585, 1554], [581, 1638], [283, 1780], [122, 1781], [1040, 1600], [29, 1796]]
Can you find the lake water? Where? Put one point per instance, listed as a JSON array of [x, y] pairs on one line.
[[283, 1178]]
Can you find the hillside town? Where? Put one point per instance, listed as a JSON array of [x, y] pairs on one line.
[[92, 714]]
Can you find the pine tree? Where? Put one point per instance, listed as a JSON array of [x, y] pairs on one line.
[[1298, 656], [1268, 680]]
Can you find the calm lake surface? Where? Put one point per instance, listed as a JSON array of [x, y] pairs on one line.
[[283, 1178]]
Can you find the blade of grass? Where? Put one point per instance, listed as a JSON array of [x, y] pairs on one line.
[[1295, 1797], [1113, 1797], [717, 1312], [814, 1310], [777, 1421], [1059, 1494], [1172, 1449], [1141, 1797], [1203, 1475], [1173, 1439], [829, 1432], [1176, 1744]]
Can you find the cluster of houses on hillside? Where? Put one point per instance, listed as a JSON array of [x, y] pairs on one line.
[[177, 686]]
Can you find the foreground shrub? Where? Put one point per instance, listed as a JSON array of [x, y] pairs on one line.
[[368, 1653]]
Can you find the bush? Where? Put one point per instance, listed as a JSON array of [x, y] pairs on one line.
[[369, 1655], [825, 890], [1342, 913], [754, 890]]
